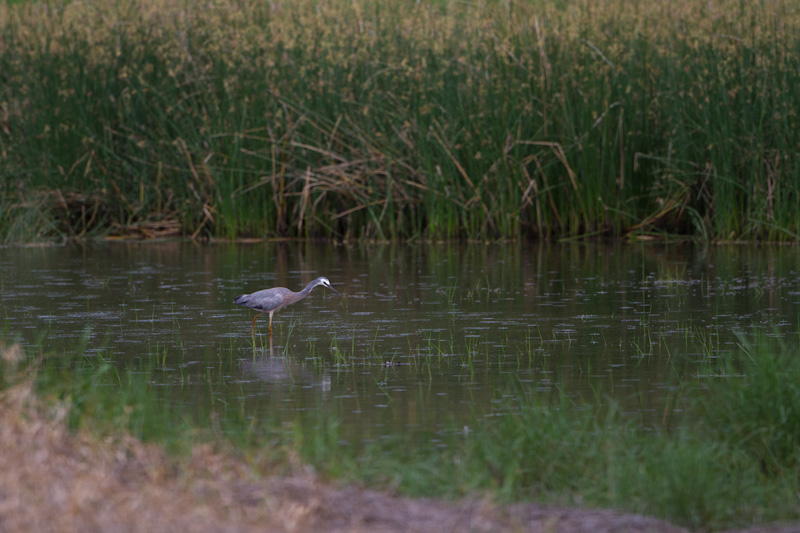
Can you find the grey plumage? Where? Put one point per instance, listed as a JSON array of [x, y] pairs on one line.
[[274, 299]]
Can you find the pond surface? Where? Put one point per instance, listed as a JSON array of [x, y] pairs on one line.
[[424, 336]]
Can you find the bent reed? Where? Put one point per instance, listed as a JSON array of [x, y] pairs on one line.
[[426, 120]]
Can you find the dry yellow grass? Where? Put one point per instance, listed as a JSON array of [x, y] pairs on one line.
[[252, 34]]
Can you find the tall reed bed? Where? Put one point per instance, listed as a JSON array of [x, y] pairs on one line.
[[433, 120]]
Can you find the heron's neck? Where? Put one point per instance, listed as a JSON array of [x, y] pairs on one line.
[[308, 288]]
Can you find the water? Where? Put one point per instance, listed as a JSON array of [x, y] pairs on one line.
[[425, 337]]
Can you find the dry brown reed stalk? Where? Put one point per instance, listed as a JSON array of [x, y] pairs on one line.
[[148, 229], [343, 113]]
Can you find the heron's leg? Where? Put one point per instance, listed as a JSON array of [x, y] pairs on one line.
[[253, 330], [270, 323]]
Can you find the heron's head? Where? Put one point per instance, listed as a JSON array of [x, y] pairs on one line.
[[325, 282]]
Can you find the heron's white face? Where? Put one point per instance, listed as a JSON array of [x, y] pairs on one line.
[[322, 280]]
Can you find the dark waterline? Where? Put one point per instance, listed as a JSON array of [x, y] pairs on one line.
[[425, 336]]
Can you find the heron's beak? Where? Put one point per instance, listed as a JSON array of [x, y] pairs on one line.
[[334, 290]]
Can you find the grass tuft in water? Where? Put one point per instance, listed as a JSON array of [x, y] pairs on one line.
[[731, 462]]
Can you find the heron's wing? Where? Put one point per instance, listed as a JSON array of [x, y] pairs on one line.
[[265, 300]]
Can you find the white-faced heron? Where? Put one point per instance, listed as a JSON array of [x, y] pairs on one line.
[[276, 298]]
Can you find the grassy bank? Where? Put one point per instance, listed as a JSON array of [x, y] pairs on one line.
[[432, 120], [733, 463]]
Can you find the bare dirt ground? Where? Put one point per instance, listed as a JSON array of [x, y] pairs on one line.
[[54, 480]]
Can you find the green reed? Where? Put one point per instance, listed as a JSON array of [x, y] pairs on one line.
[[480, 120]]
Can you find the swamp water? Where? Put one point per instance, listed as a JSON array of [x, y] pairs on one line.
[[425, 337]]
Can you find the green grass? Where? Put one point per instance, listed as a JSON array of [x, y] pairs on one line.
[[353, 120], [759, 412], [732, 461]]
